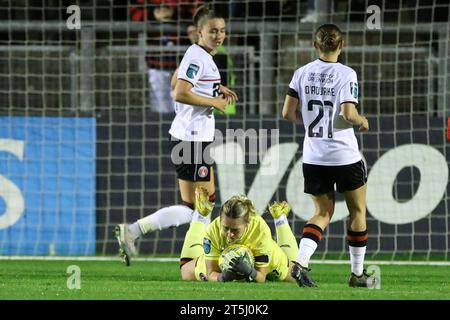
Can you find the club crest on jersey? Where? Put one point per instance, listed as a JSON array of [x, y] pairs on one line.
[[206, 245], [202, 172], [192, 70]]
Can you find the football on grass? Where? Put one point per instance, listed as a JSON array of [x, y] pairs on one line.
[[235, 250]]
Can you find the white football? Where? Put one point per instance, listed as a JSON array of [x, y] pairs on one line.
[[235, 250]]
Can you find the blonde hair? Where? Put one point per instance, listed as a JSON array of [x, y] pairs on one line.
[[328, 37], [238, 206]]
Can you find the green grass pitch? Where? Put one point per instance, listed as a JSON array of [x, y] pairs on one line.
[[110, 280]]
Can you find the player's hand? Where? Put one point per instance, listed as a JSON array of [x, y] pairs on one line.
[[364, 124], [240, 266], [226, 276], [276, 209], [202, 203], [226, 260], [229, 94], [220, 103]]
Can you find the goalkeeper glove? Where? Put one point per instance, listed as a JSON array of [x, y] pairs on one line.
[[226, 276], [242, 267]]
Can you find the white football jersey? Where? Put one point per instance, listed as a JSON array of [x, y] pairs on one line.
[[321, 88], [196, 123]]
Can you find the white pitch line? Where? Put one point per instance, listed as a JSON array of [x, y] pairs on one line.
[[388, 262], [90, 258], [84, 258]]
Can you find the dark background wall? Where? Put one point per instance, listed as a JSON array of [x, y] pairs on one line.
[[135, 177]]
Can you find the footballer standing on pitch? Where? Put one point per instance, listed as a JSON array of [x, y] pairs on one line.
[[328, 95], [197, 93]]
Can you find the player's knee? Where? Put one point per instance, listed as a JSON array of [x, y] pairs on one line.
[[187, 274], [183, 276], [187, 269]]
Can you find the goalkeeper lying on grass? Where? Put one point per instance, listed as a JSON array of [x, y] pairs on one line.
[[237, 223]]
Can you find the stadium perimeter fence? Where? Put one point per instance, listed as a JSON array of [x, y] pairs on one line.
[[80, 150]]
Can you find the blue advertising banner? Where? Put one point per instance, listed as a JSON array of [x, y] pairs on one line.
[[47, 185]]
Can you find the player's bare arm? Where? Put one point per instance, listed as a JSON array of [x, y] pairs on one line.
[[184, 94], [260, 275], [351, 115], [213, 270], [291, 110], [173, 80]]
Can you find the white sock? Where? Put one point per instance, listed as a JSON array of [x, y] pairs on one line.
[[306, 249], [135, 230], [357, 259], [164, 218], [281, 220], [198, 217]]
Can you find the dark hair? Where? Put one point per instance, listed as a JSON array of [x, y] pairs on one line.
[[205, 13], [328, 37]]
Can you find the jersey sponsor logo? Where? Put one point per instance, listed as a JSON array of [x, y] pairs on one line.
[[192, 70], [320, 77], [202, 172], [206, 245]]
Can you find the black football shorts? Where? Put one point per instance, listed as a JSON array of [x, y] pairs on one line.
[[321, 179], [191, 159]]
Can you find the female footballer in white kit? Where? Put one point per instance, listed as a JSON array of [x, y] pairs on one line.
[[197, 93], [327, 92]]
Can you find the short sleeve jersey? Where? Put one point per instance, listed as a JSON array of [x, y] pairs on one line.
[[257, 237], [322, 87], [196, 123]]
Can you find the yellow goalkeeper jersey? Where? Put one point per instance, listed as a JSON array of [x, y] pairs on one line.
[[257, 237]]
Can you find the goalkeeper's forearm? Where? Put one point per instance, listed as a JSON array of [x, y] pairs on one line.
[[256, 275], [259, 277], [214, 276], [226, 276], [220, 277]]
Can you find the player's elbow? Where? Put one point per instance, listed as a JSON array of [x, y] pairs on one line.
[[292, 117], [180, 96], [288, 114]]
